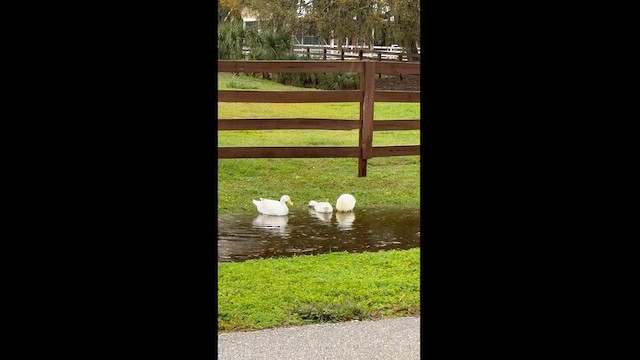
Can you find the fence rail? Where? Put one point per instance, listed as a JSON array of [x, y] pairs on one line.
[[360, 53], [328, 52], [366, 96]]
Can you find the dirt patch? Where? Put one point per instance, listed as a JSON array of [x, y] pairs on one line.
[[399, 83]]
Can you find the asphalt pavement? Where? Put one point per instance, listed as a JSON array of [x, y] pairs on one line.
[[386, 339]]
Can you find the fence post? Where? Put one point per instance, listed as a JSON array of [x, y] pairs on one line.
[[342, 54], [360, 54], [367, 85], [324, 53], [308, 52]]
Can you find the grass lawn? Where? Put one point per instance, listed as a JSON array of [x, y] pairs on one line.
[[259, 294], [240, 180], [265, 293]]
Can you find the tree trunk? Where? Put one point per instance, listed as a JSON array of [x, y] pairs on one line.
[[411, 49]]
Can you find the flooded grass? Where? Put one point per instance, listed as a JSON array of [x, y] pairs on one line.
[[245, 237]]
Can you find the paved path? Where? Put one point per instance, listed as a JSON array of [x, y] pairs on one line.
[[386, 339]]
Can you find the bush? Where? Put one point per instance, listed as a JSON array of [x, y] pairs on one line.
[[329, 81], [231, 38], [337, 81]]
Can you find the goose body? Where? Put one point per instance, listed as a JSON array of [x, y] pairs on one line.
[[346, 202], [321, 207], [273, 207]]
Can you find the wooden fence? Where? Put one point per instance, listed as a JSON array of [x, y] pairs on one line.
[[335, 53], [366, 96], [327, 52]]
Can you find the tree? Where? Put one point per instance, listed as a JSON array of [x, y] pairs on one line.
[[339, 19], [405, 27], [397, 20], [231, 10], [276, 15]]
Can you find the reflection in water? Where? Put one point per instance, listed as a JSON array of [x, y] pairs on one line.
[[345, 220], [324, 217], [273, 223], [245, 237]]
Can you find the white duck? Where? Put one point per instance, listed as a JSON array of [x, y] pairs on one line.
[[273, 207], [321, 207], [346, 202]]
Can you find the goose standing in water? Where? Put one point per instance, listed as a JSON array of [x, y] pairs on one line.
[[273, 207], [321, 207], [346, 202]]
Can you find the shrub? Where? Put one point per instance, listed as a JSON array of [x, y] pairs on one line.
[[337, 81], [231, 38]]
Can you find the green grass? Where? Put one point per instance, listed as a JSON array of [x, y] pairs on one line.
[[390, 182], [240, 180], [227, 81], [259, 294], [265, 293]]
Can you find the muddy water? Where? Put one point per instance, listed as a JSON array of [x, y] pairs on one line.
[[261, 236]]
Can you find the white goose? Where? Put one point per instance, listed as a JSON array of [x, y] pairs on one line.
[[346, 202], [273, 207], [321, 207]]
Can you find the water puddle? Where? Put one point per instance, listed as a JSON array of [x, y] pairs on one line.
[[244, 237]]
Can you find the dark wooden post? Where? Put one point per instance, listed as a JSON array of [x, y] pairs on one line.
[[341, 53], [308, 52], [360, 54], [324, 53], [367, 86]]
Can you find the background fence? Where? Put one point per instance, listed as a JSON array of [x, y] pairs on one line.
[[381, 53], [366, 96], [348, 52]]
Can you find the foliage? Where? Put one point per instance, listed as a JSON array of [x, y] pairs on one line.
[[338, 81], [231, 38], [276, 15], [239, 85], [405, 29], [329, 81], [269, 45], [389, 21], [231, 10], [346, 18]]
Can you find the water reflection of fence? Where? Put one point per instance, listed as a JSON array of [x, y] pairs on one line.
[[366, 96]]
